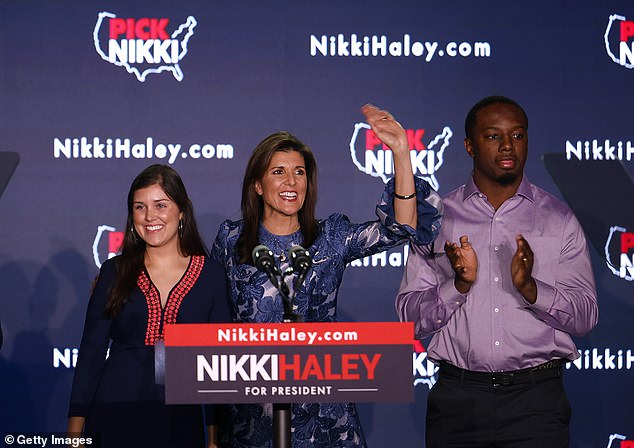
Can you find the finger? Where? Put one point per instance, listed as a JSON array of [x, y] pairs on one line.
[[370, 111], [464, 242], [367, 107], [526, 247], [521, 242], [519, 239], [376, 116], [523, 249]]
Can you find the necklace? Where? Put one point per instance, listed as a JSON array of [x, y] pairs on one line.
[[279, 244]]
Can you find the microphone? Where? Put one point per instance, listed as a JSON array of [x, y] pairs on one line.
[[301, 263], [263, 260]]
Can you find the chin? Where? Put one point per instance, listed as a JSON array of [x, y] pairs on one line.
[[507, 178]]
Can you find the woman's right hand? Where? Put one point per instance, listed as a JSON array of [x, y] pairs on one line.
[[75, 429]]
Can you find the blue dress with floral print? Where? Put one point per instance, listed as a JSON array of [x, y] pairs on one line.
[[256, 300]]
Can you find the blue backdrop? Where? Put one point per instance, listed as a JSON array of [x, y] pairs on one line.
[[93, 92]]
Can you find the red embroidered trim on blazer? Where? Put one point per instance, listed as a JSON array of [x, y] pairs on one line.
[[154, 331]]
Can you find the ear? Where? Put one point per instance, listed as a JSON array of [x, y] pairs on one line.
[[468, 145], [258, 187]]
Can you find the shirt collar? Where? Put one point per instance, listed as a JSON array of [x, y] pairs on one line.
[[524, 189]]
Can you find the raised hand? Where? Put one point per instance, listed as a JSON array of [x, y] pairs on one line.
[[393, 135], [386, 128]]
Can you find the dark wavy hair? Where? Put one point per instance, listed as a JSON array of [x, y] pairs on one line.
[[252, 204], [130, 262], [472, 116]]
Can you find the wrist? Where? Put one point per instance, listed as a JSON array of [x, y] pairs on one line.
[[404, 197], [400, 149], [529, 291], [462, 286]]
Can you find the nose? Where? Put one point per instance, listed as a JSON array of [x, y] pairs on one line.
[[506, 143], [150, 214], [290, 179]]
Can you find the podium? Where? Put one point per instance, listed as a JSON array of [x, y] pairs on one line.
[[289, 363]]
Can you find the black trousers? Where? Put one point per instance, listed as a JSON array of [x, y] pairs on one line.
[[463, 412]]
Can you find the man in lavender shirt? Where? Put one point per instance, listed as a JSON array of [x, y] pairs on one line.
[[501, 291]]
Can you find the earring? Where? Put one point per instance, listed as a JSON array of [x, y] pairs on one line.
[[133, 232], [180, 227]]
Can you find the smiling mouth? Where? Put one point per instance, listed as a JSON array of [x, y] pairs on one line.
[[288, 195], [153, 228]]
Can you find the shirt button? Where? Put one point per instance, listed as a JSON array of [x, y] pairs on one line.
[[497, 343], [497, 310], [439, 321], [496, 279], [496, 248]]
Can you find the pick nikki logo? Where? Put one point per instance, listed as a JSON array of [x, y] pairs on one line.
[[619, 252], [620, 441], [372, 157], [619, 40], [424, 370], [143, 45], [107, 244]]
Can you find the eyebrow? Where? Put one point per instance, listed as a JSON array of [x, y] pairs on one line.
[[284, 166], [520, 126], [155, 200]]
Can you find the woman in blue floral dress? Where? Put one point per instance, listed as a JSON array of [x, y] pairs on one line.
[[279, 194]]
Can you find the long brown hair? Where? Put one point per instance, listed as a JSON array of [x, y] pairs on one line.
[[252, 204], [130, 262]]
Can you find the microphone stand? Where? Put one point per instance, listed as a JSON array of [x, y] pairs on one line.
[[264, 259], [282, 411]]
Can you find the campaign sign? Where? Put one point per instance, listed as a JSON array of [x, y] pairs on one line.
[[287, 363]]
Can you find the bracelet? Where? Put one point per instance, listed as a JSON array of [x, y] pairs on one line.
[[409, 196]]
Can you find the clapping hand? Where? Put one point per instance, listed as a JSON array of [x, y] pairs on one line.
[[522, 270], [464, 262]]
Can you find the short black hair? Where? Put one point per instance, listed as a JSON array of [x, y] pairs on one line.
[[470, 121]]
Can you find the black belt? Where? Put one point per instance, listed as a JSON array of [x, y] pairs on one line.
[[548, 370]]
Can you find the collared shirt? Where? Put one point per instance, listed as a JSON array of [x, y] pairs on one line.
[[492, 327]]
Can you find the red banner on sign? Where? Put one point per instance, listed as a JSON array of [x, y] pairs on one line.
[[304, 333]]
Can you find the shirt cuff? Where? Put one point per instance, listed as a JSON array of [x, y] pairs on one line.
[[450, 296], [545, 298], [428, 209]]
